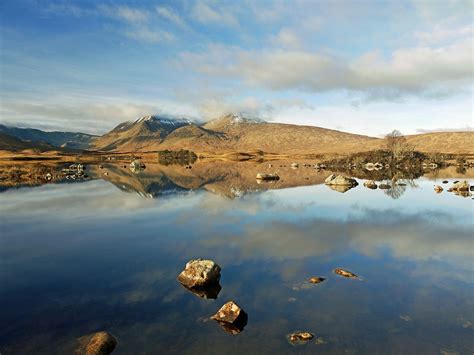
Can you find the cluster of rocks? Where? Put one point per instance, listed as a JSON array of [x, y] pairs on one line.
[[74, 172], [302, 337], [201, 277]]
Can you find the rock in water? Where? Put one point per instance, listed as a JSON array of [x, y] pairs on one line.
[[267, 177], [200, 273], [231, 317], [346, 273], [317, 280], [438, 189], [460, 186], [300, 337], [342, 180], [101, 343], [385, 186], [370, 184]]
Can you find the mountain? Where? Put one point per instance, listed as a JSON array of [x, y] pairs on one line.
[[73, 140], [230, 134], [15, 144], [445, 142], [138, 135]]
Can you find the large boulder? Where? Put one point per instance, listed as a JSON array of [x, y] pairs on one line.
[[231, 317], [200, 273], [101, 343], [340, 180]]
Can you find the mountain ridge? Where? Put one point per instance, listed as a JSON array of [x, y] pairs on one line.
[[237, 133]]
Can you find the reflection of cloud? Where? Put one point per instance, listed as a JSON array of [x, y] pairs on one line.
[[406, 236]]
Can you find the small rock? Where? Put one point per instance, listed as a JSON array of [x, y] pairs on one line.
[[231, 318], [370, 184], [445, 181], [384, 186], [267, 177], [461, 186], [300, 337], [294, 165], [438, 189], [342, 180], [316, 280], [405, 317], [200, 273], [101, 343], [346, 273]]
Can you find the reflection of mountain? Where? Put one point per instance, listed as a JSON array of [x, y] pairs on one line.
[[228, 179]]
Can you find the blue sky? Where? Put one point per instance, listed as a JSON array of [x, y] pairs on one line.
[[360, 66]]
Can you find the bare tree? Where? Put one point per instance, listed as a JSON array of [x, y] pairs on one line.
[[397, 144]]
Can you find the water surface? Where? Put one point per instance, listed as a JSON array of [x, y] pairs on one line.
[[76, 258]]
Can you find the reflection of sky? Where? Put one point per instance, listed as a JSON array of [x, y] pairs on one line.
[[86, 256]]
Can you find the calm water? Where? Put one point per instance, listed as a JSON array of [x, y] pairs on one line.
[[83, 257]]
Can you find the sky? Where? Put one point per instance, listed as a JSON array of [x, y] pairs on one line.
[[359, 66]]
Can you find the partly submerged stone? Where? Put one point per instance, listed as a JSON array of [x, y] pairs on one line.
[[341, 188], [316, 279], [231, 318], [370, 184], [346, 273], [460, 186], [438, 189], [342, 180], [101, 343], [385, 186], [200, 273], [320, 341], [300, 337]]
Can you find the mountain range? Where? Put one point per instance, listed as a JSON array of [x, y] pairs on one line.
[[227, 134]]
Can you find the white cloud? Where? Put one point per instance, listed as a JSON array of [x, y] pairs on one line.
[[204, 12], [147, 35], [125, 13], [168, 14], [440, 34], [287, 38], [94, 115], [423, 70]]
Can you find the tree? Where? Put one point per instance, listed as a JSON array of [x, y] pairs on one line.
[[397, 144]]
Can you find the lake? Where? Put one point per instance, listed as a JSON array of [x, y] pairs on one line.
[[104, 253]]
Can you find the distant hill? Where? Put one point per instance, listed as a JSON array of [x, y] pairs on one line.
[[233, 133], [446, 142], [72, 140], [11, 143]]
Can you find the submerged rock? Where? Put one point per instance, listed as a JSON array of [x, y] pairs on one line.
[[438, 189], [341, 180], [101, 343], [370, 184], [345, 273], [316, 279], [445, 181], [231, 318], [385, 186], [300, 337], [200, 273]]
